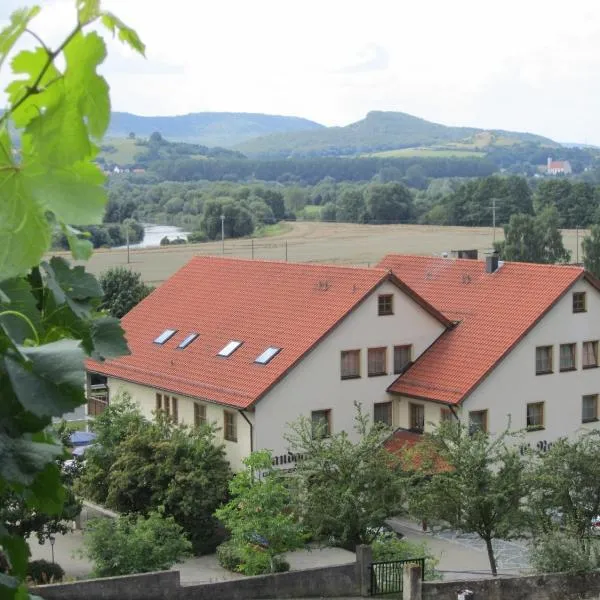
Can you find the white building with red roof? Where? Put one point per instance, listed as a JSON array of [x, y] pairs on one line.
[[252, 345], [558, 167]]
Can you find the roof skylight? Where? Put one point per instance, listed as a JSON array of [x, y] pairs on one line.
[[188, 340], [230, 348], [267, 355], [166, 335]]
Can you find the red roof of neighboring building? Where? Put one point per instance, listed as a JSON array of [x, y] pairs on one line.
[[261, 303], [493, 310], [557, 164]]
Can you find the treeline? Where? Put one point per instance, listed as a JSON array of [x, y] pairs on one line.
[[104, 236], [311, 171]]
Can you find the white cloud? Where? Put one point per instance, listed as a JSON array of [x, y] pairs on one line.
[[525, 65]]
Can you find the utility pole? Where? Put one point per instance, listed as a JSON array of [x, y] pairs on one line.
[[494, 221], [223, 234], [577, 246], [127, 238]]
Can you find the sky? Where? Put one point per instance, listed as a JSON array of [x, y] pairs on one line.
[[521, 65]]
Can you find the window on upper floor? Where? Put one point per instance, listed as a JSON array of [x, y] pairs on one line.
[[376, 361], [175, 409], [385, 305], [543, 360], [199, 414], [162, 403], [478, 420], [590, 355], [416, 417], [446, 414], [579, 302], [402, 358], [230, 426], [321, 423], [567, 357], [382, 413], [535, 415], [589, 408], [350, 364]]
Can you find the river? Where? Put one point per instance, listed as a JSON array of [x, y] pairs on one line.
[[154, 233]]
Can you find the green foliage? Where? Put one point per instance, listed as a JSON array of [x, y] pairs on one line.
[[258, 514], [591, 251], [123, 289], [134, 544], [559, 552], [57, 108], [387, 547], [534, 239], [575, 203], [197, 237], [389, 203], [249, 559], [137, 466], [469, 481], [344, 490], [238, 220], [42, 572]]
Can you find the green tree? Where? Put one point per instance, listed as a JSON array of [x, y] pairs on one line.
[[470, 482], [591, 251], [344, 489], [160, 465], [564, 498], [134, 544], [389, 203], [258, 512], [351, 206], [123, 289], [238, 220], [328, 212], [533, 239], [57, 108]]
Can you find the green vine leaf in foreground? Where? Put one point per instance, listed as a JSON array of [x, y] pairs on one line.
[[58, 110]]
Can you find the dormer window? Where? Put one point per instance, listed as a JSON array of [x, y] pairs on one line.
[[187, 340], [165, 336], [268, 355], [230, 348]]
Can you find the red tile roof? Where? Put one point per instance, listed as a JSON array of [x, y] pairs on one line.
[[261, 303], [494, 311], [557, 164]]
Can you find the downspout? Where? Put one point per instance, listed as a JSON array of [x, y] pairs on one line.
[[251, 429], [451, 408]]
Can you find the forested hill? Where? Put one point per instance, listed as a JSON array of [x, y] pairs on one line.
[[207, 128], [381, 131]]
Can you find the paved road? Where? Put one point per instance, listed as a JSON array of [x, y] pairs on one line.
[[463, 556]]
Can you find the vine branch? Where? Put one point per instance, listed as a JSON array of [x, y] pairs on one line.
[[16, 313]]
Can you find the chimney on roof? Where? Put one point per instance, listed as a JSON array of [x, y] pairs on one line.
[[491, 263]]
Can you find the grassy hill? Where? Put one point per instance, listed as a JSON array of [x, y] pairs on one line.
[[207, 128], [383, 131]]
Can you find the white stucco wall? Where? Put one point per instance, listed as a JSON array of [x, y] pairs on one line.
[[145, 397], [513, 384], [316, 384]]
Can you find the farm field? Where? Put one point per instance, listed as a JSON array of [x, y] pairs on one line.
[[341, 243], [427, 153]]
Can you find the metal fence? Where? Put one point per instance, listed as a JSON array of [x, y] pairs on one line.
[[387, 576]]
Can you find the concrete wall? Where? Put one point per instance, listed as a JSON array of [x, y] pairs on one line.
[[316, 384], [163, 585], [328, 582], [145, 397], [539, 587]]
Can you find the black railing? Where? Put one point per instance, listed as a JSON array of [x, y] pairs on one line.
[[387, 576]]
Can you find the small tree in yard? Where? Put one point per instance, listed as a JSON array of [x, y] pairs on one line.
[[258, 514], [123, 289], [134, 544], [591, 251], [345, 490], [470, 482], [564, 498]]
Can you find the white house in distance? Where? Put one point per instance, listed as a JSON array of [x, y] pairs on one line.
[[252, 345], [558, 167]]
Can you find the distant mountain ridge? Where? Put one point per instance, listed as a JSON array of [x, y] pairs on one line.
[[381, 131], [207, 128]]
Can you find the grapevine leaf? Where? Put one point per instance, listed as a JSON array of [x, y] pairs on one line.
[[49, 91], [19, 299], [48, 493], [19, 20], [87, 10], [53, 382], [73, 193], [108, 338], [81, 249], [24, 230], [18, 551], [125, 33], [71, 286], [83, 55], [23, 459]]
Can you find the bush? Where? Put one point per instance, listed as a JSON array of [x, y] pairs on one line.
[[560, 552], [197, 237], [42, 572], [387, 546], [249, 559], [128, 544]]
